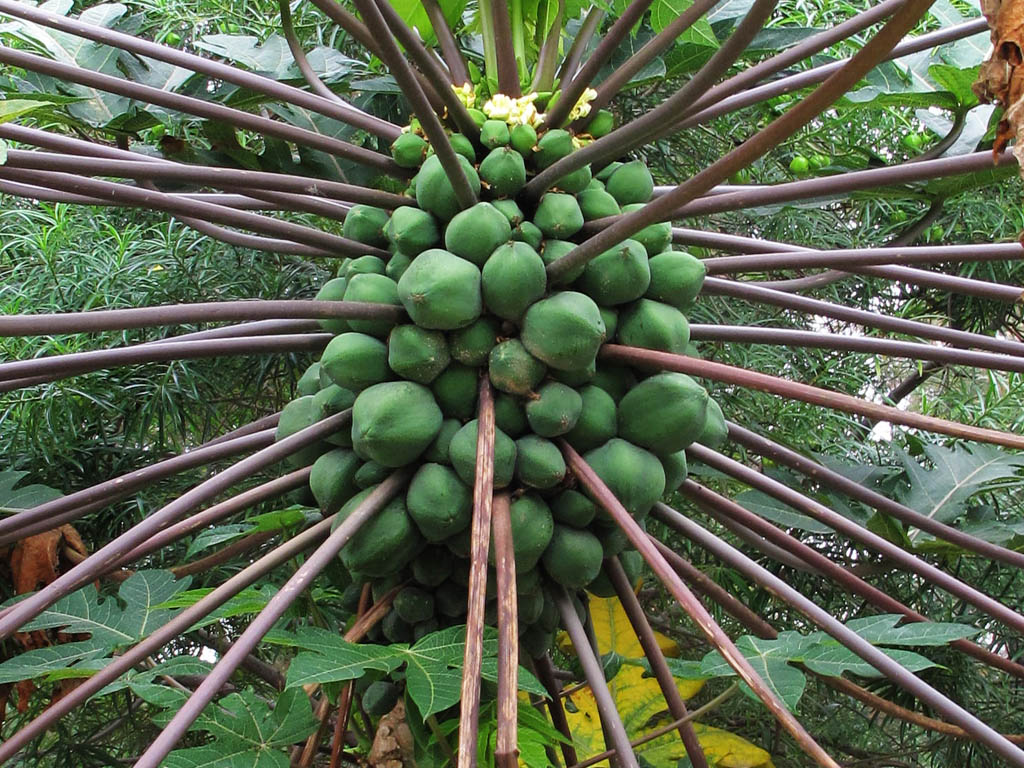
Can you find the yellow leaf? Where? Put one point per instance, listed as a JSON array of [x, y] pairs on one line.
[[615, 633], [727, 750]]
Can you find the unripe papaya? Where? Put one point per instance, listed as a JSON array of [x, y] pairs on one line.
[[634, 475], [509, 415], [564, 330], [664, 413], [462, 453], [539, 463], [437, 451], [715, 431], [632, 563], [365, 265], [434, 190], [476, 232], [513, 369], [432, 566], [618, 275], [333, 479], [527, 232], [309, 381], [409, 150], [379, 289], [441, 291], [555, 410], [296, 415], [397, 265], [558, 215], [597, 422], [494, 134], [577, 377], [382, 695], [478, 116], [552, 146], [384, 544], [355, 361], [523, 139], [512, 279], [330, 400], [365, 224], [333, 290], [439, 502], [573, 558], [615, 380], [503, 172], [511, 210], [532, 526], [675, 470], [656, 237], [630, 183], [528, 607], [653, 325], [417, 354], [370, 474], [552, 250], [607, 171], [463, 146], [597, 204], [456, 391], [450, 599], [601, 124], [394, 422], [573, 508], [414, 605], [395, 630], [676, 278], [412, 231], [576, 181], [472, 345]]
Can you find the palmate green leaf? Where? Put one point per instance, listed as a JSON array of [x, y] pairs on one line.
[[413, 13], [248, 732], [882, 630], [345, 662], [770, 659], [693, 47], [220, 534], [763, 505], [834, 659], [957, 81], [959, 473], [14, 499], [527, 682], [40, 661], [104, 619], [271, 57]]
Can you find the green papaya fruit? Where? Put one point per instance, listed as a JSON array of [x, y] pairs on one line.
[[397, 265], [676, 278], [355, 361], [601, 124], [414, 605], [576, 181], [634, 475], [573, 558], [455, 391], [512, 279], [333, 290], [597, 204], [434, 190], [472, 345], [417, 354], [630, 183], [573, 508], [509, 415], [309, 381], [463, 146], [539, 463], [365, 265], [437, 451], [371, 473], [558, 215], [656, 237], [365, 224], [675, 470], [617, 275], [409, 150], [564, 330], [513, 369], [494, 134], [503, 172], [333, 479], [394, 422], [511, 211], [653, 325], [597, 422], [412, 231], [552, 146], [384, 544], [296, 415], [462, 453], [476, 232], [523, 139], [715, 431], [552, 250], [432, 566], [555, 409], [527, 232], [441, 291], [663, 413], [532, 526], [379, 289]]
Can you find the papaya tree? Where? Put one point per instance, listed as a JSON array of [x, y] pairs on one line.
[[507, 387]]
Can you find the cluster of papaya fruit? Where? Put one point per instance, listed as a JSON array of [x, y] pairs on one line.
[[474, 285]]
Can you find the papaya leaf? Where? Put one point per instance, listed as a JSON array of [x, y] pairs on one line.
[[14, 499], [882, 630], [959, 473], [763, 505], [248, 731], [40, 661], [831, 658], [413, 13]]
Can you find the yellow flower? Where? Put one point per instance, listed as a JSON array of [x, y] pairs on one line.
[[582, 107], [498, 107], [466, 94]]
